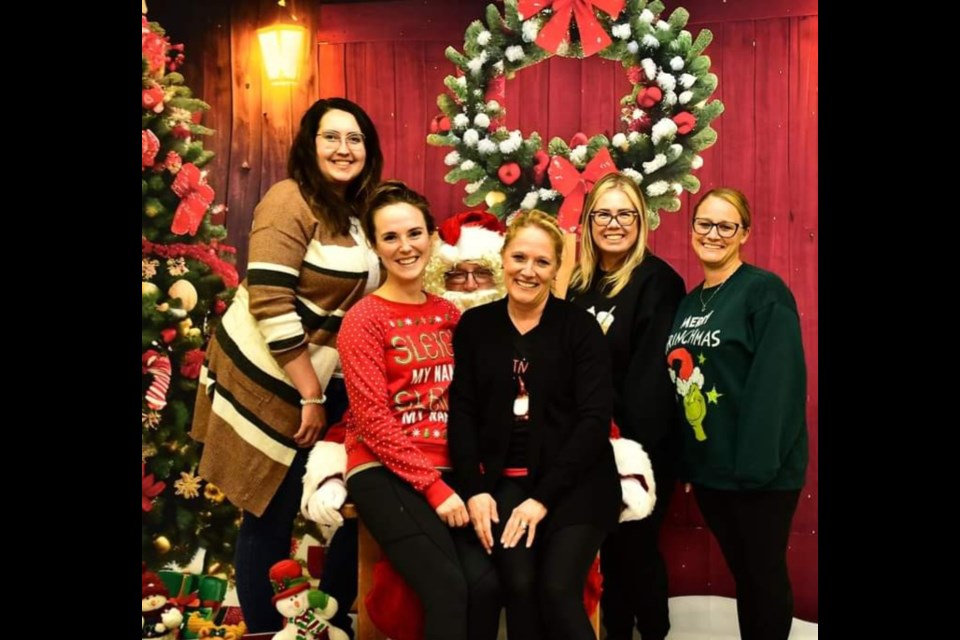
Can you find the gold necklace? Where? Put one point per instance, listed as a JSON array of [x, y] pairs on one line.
[[703, 304]]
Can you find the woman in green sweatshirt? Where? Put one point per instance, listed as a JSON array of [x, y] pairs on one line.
[[736, 358]]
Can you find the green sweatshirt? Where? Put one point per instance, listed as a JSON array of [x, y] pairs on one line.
[[736, 359]]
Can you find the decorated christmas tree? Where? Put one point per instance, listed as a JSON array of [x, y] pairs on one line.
[[186, 286]]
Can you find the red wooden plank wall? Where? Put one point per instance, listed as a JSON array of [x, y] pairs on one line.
[[388, 56]]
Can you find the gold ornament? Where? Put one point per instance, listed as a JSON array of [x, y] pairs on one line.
[[184, 327], [163, 308], [493, 198], [149, 289], [212, 493], [184, 290], [161, 544]]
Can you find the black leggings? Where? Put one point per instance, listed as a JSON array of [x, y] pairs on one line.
[[752, 528], [421, 548], [543, 585]]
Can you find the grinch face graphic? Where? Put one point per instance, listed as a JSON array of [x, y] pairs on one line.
[[689, 381]]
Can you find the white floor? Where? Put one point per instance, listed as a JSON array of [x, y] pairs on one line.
[[715, 618]]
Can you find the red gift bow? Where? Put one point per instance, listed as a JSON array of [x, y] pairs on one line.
[[574, 186], [592, 36], [195, 198]]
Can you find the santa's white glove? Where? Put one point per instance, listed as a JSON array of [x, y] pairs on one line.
[[637, 500], [323, 507]]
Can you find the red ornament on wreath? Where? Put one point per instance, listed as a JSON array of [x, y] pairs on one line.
[[666, 117]]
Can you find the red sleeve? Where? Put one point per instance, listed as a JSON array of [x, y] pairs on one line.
[[361, 346]]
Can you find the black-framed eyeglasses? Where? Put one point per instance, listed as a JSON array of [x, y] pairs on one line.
[[332, 139], [724, 229], [458, 276], [624, 217]]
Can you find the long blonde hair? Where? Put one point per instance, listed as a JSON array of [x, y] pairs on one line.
[[586, 269]]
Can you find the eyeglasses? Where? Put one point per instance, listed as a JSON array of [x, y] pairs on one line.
[[332, 139], [624, 217], [480, 276], [724, 229]]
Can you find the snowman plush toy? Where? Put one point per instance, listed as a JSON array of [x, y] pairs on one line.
[[306, 610], [159, 618]]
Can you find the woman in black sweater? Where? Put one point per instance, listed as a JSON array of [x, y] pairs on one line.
[[528, 432], [634, 295]]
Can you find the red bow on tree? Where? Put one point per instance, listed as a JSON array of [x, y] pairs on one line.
[[151, 488], [574, 186], [593, 38], [195, 198]]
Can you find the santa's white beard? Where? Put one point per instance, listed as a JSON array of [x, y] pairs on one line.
[[466, 300]]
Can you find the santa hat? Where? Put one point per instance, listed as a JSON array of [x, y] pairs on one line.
[[287, 579], [470, 235], [151, 584]]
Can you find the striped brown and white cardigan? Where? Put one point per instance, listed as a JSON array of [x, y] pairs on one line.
[[301, 280]]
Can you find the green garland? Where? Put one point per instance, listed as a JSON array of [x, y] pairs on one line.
[[659, 148]]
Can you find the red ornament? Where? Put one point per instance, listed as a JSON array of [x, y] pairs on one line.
[[685, 122], [440, 124], [149, 146], [509, 173], [219, 306], [649, 97], [152, 99], [168, 335]]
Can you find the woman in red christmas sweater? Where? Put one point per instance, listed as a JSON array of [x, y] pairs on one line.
[[397, 356]]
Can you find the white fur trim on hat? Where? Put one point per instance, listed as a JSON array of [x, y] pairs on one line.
[[474, 243], [327, 459], [632, 460]]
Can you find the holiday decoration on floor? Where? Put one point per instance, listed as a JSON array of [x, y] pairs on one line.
[[186, 284], [307, 611], [666, 116], [160, 618]]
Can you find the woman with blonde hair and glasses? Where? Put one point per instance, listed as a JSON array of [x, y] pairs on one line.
[[633, 294], [529, 422], [737, 358]]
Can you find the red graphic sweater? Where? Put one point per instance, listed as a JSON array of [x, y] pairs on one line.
[[397, 363]]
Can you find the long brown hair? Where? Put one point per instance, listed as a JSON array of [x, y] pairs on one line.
[[302, 166]]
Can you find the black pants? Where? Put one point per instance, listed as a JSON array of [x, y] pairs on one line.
[[263, 541], [543, 585], [446, 576], [635, 589], [752, 528]]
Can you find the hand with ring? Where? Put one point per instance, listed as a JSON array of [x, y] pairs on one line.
[[523, 521]]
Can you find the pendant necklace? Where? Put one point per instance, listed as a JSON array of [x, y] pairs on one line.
[[521, 404], [716, 290]]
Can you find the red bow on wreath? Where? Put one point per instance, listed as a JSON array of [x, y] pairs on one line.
[[574, 186], [593, 38], [195, 198]]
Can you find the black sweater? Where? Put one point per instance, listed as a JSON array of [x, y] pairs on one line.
[[570, 461], [642, 313]]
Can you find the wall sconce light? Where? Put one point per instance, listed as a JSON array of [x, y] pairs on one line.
[[282, 45]]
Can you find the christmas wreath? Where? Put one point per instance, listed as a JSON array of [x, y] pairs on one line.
[[666, 116]]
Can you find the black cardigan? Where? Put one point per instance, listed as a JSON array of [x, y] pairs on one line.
[[569, 457]]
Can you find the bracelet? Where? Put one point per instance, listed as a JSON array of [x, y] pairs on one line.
[[305, 401]]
